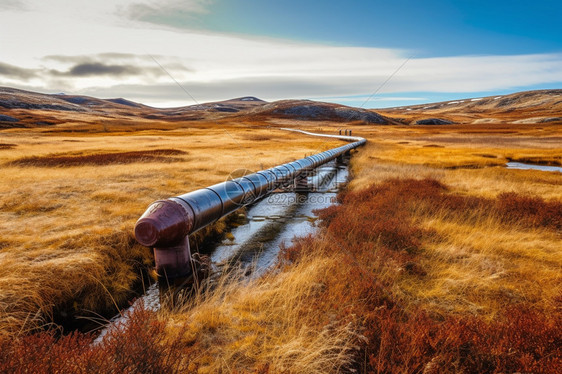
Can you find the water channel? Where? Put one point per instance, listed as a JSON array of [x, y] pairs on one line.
[[271, 222], [523, 166]]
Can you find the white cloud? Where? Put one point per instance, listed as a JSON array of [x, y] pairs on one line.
[[12, 5], [147, 10], [479, 73], [91, 9], [214, 66]]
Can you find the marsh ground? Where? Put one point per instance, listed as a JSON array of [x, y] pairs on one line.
[[439, 259]]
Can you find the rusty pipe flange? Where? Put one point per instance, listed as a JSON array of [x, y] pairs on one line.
[[164, 223]]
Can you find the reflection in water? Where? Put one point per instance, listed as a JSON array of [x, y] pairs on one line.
[[277, 219], [520, 165]]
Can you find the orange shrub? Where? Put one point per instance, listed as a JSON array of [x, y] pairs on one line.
[[140, 346], [531, 211]]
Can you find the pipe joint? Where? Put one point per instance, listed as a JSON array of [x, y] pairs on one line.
[[164, 223]]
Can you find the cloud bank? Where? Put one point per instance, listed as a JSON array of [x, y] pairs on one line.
[[111, 49]]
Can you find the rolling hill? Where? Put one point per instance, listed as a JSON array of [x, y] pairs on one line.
[[544, 106], [21, 109]]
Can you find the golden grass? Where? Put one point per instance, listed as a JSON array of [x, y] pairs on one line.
[[263, 323], [480, 265], [59, 224]]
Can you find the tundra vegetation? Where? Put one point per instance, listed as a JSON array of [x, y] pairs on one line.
[[437, 259]]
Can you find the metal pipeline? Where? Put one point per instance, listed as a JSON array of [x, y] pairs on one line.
[[166, 223]]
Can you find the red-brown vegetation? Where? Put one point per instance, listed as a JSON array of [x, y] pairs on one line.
[[528, 211], [156, 155], [140, 346], [376, 241], [521, 341], [374, 235]]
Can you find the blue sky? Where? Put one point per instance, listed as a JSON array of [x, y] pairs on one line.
[[323, 50], [428, 28]]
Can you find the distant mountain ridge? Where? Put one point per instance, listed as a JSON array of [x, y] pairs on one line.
[[12, 98], [540, 106], [14, 102], [19, 108]]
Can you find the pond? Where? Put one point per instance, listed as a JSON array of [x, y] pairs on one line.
[[523, 166]]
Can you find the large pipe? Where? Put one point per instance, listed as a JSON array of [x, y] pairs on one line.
[[166, 223]]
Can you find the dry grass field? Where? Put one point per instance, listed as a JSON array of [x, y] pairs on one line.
[[437, 260], [498, 248]]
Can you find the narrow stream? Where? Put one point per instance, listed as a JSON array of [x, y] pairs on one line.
[[271, 222], [520, 165], [277, 219]]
